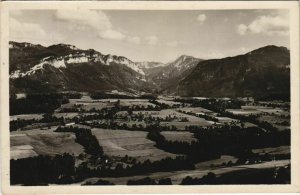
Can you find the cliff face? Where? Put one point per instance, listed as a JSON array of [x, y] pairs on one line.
[[34, 68]]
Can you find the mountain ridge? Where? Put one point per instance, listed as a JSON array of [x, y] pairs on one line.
[[255, 73], [61, 66]]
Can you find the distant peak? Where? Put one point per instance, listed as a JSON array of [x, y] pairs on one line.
[[185, 57], [268, 48]]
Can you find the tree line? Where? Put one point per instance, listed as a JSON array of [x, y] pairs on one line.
[[36, 103], [42, 170], [212, 142], [138, 168]]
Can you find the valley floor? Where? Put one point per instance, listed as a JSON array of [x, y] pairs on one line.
[[181, 140]]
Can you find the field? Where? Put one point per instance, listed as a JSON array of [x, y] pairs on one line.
[[196, 110], [136, 102], [176, 118], [277, 117], [40, 142], [71, 115], [119, 143], [226, 119], [222, 161], [277, 150], [180, 125], [256, 110], [26, 117], [168, 102], [68, 115], [88, 104], [131, 130], [281, 123], [183, 136], [243, 112]]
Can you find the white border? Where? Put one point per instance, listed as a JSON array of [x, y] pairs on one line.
[[292, 6]]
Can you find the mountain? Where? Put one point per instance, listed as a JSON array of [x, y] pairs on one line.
[[260, 73], [170, 75], [34, 68]]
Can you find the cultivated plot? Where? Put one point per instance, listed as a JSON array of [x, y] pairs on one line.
[[119, 143], [42, 142]]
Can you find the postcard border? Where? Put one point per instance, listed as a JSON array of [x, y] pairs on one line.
[[293, 6]]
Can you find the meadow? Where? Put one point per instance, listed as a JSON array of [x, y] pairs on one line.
[[119, 143]]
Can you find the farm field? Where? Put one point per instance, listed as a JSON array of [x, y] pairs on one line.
[[256, 110], [197, 110], [169, 102], [176, 118], [173, 113], [72, 115], [281, 123], [87, 104], [25, 117], [43, 142], [179, 136], [136, 102], [136, 132], [244, 112], [276, 150], [96, 105], [130, 123], [223, 160], [226, 120], [119, 143], [68, 115], [181, 125]]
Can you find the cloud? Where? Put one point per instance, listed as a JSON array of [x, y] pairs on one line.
[[135, 40], [201, 18], [151, 40], [112, 34], [25, 31], [172, 43], [268, 25], [242, 29], [94, 20]]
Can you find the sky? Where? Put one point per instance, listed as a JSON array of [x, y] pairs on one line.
[[156, 35]]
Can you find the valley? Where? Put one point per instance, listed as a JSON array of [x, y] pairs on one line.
[[81, 117], [144, 140]]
